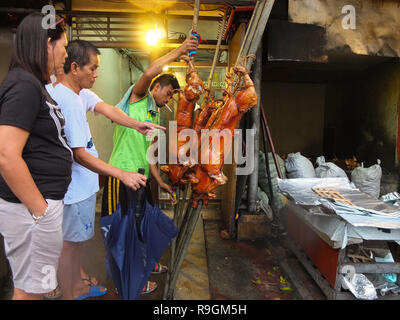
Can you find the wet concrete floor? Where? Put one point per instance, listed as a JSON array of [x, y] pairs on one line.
[[215, 268]]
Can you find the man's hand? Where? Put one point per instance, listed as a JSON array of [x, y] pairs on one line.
[[169, 189], [146, 128], [133, 179], [188, 45]]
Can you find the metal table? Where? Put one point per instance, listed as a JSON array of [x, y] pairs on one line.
[[325, 264]]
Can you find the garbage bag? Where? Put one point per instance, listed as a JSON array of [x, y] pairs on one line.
[[263, 204], [276, 199], [368, 180], [328, 169], [392, 198], [360, 286], [298, 166]]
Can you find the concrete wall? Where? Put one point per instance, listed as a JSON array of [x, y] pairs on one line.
[[378, 114], [375, 30], [364, 114], [295, 115]]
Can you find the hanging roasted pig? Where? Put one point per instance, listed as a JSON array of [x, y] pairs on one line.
[[210, 108], [184, 120], [207, 176]]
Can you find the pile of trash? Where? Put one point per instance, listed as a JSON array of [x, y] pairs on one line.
[[367, 180], [369, 286]]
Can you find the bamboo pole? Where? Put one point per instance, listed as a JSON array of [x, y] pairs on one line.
[[217, 49]]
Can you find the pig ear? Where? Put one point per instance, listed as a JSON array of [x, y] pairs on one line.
[[164, 169]]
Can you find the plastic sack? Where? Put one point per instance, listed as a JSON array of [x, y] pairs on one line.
[[276, 200], [328, 169], [392, 198], [360, 286], [298, 166], [390, 277], [368, 180], [262, 204]]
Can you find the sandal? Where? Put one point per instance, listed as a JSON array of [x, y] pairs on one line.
[[94, 291], [159, 268], [56, 294], [146, 289], [89, 279]]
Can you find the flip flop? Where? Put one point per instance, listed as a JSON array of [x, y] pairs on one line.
[[146, 289], [57, 294], [89, 279], [94, 291], [159, 268]]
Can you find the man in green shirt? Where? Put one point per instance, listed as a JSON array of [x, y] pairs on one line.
[[142, 102]]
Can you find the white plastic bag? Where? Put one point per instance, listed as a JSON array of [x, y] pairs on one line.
[[328, 169], [298, 166], [360, 286], [368, 180]]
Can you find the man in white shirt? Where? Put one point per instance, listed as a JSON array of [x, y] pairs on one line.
[[75, 100]]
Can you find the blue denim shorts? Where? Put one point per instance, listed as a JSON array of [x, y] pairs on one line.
[[78, 221]]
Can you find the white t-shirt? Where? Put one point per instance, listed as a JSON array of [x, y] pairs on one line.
[[84, 182]]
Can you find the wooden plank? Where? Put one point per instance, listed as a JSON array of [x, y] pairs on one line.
[[253, 226], [377, 267]]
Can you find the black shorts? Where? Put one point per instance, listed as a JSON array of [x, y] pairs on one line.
[[115, 192]]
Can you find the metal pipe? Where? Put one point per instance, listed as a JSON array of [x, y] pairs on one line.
[[264, 135], [192, 222], [196, 15], [255, 120], [182, 227], [216, 54], [195, 21], [172, 248], [182, 209], [271, 143], [111, 14]]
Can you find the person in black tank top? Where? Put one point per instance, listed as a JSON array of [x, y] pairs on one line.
[[35, 160]]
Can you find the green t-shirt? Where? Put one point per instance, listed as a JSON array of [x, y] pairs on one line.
[[130, 146]]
